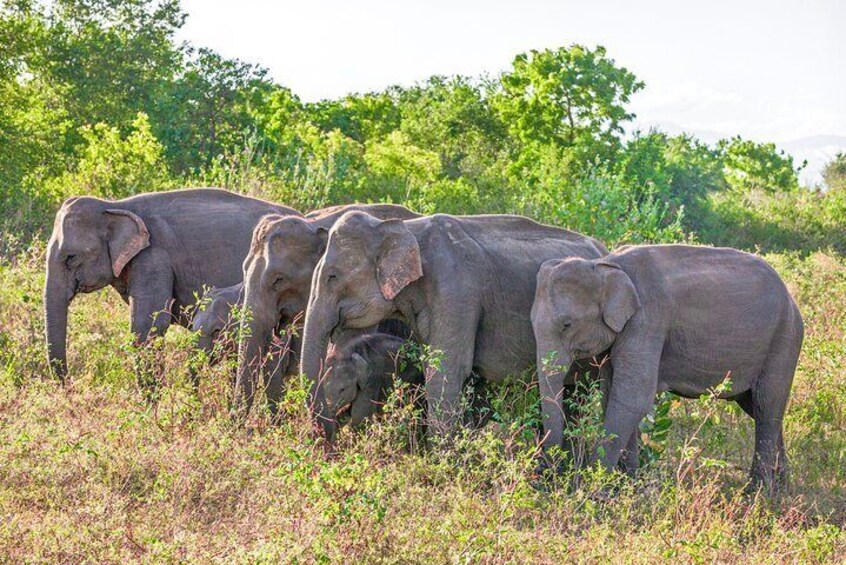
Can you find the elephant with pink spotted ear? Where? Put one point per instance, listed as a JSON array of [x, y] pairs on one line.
[[463, 284], [158, 250]]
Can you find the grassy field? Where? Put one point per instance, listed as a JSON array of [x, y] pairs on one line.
[[91, 473]]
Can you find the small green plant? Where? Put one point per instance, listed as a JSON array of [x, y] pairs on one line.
[[585, 431], [655, 429], [692, 455]]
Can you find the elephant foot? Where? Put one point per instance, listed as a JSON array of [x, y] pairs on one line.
[[769, 479], [768, 486]]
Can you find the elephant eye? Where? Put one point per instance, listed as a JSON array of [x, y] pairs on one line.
[[566, 326], [278, 282], [70, 260], [331, 277]]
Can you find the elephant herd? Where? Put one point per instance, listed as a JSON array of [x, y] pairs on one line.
[[487, 296]]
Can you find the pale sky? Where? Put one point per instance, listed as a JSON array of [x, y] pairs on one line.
[[768, 70]]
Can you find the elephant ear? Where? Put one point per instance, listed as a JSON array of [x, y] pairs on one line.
[[361, 368], [619, 300], [322, 239], [398, 263], [128, 235]]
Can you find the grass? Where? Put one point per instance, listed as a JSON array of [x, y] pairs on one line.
[[91, 473]]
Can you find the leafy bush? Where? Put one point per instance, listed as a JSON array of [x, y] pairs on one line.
[[398, 170], [797, 220], [112, 165], [834, 173], [757, 166], [607, 206]]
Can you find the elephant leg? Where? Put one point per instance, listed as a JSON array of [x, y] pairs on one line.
[[769, 402], [150, 318], [479, 409], [275, 386], [630, 458], [283, 362], [451, 347], [584, 376], [631, 395], [745, 402], [571, 413], [551, 389], [769, 466], [443, 397]]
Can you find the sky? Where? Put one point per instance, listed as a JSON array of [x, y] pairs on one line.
[[769, 71]]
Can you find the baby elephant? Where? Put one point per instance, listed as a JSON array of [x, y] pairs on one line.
[[360, 374], [672, 317], [215, 316]]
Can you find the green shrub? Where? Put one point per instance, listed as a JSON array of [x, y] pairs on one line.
[[757, 166], [798, 220], [834, 173], [609, 208], [112, 165]]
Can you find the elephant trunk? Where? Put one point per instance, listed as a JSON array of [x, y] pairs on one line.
[[552, 369], [205, 343], [57, 296], [254, 340], [321, 320]]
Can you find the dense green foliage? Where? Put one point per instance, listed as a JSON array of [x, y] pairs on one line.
[[97, 97]]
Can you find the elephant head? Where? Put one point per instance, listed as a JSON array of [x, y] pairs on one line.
[[90, 247], [367, 263], [353, 392], [580, 307], [214, 316], [359, 376], [277, 277]]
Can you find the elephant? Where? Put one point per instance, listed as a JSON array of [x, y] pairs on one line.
[[360, 373], [676, 318], [277, 279], [463, 284], [214, 316], [158, 250]]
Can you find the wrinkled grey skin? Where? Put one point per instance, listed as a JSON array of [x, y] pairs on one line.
[[463, 284], [360, 373], [677, 318], [157, 250], [215, 316], [277, 279]]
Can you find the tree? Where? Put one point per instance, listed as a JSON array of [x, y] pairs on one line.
[[452, 117], [749, 165], [110, 58], [834, 173], [33, 117], [572, 97], [680, 168], [362, 117], [207, 109], [114, 165]]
